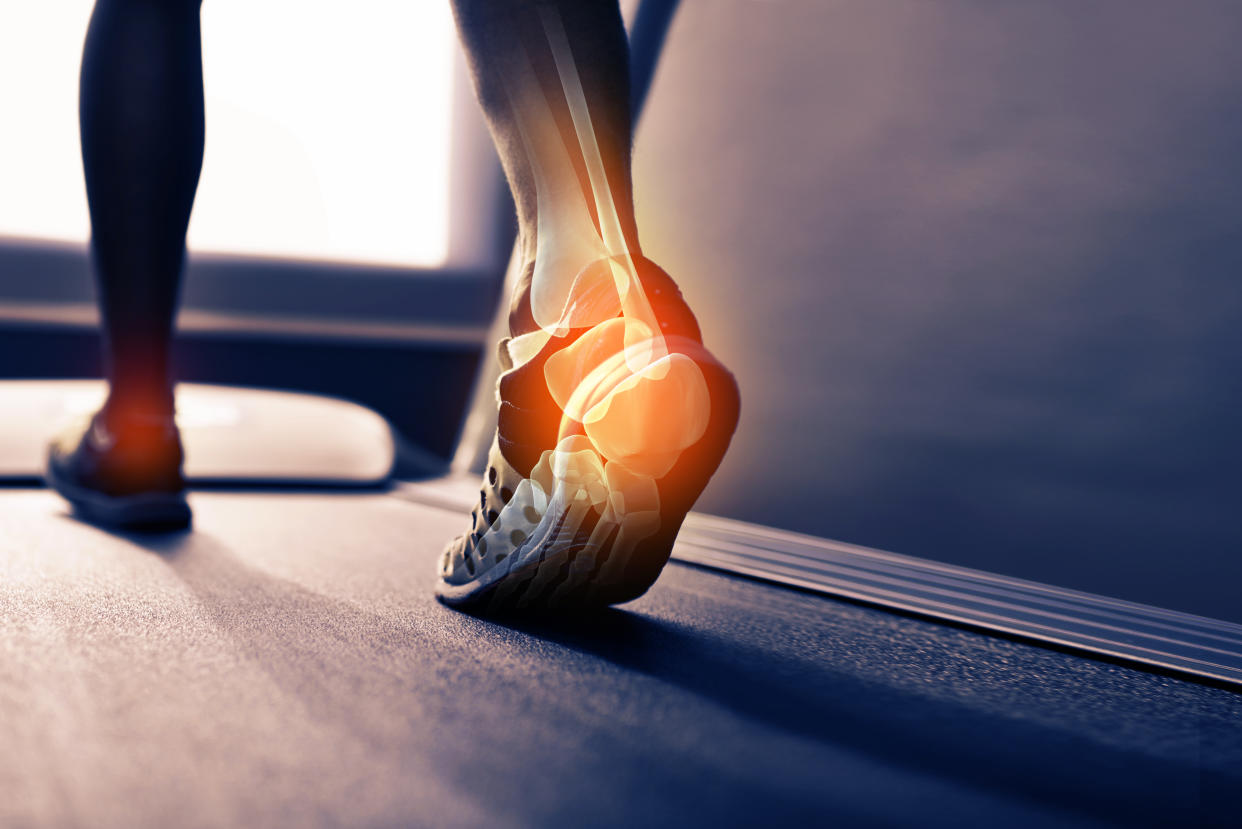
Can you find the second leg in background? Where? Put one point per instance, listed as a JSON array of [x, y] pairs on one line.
[[141, 111]]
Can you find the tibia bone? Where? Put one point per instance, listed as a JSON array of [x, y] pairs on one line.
[[567, 289], [642, 324], [571, 84]]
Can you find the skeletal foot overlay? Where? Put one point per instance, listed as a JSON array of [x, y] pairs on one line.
[[613, 416]]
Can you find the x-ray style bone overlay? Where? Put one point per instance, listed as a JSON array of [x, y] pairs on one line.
[[631, 399]]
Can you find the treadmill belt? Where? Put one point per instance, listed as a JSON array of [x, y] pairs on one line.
[[286, 663]]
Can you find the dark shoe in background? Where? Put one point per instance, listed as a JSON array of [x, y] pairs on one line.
[[122, 472]]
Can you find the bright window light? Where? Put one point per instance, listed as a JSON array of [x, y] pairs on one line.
[[327, 128]]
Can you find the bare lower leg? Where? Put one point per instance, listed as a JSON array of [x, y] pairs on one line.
[[142, 147], [612, 414], [510, 58]]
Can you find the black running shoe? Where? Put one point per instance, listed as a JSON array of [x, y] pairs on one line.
[[122, 472]]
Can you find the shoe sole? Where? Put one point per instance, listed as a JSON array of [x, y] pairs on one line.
[[540, 575], [152, 511]]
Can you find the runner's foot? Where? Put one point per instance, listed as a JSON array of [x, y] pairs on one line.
[[605, 440], [122, 471]]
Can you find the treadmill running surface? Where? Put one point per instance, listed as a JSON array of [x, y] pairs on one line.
[[286, 663]]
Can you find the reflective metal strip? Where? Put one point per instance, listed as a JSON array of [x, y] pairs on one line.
[[1129, 632]]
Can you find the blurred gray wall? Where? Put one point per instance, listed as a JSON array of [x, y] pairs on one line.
[[978, 267]]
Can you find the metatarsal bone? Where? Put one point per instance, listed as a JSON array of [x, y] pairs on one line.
[[631, 514], [634, 510], [580, 488]]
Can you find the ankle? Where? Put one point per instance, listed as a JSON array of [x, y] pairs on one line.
[[661, 291], [139, 405]]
